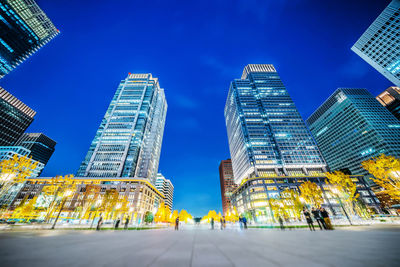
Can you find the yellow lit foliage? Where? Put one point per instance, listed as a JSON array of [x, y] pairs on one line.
[[232, 216], [294, 197], [344, 184], [15, 170], [386, 172], [311, 193], [109, 202], [163, 213], [184, 216], [26, 210], [174, 215], [211, 214], [56, 190]]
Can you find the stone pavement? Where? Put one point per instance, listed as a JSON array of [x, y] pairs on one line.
[[198, 246]]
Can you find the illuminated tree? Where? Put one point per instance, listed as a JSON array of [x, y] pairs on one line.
[[311, 193], [344, 184], [14, 171], [109, 202], [184, 216], [26, 210], [386, 172], [293, 202], [232, 215], [174, 215]]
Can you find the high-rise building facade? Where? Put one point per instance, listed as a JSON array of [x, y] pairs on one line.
[[271, 148], [24, 28], [128, 141], [379, 45], [227, 184], [15, 117], [40, 145], [166, 187], [266, 134], [352, 126], [390, 98]]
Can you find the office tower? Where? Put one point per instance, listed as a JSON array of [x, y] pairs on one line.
[[271, 148], [266, 133], [352, 126], [379, 45], [390, 98], [24, 28], [128, 141], [41, 147], [166, 188], [15, 117], [227, 184]]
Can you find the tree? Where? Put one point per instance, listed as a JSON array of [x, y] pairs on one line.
[[232, 215], [184, 216], [344, 184], [386, 172], [161, 214], [311, 193], [174, 215], [26, 210], [148, 217], [294, 199], [14, 171]]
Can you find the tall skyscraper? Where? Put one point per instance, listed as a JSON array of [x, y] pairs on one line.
[[266, 134], [166, 187], [128, 141], [227, 183], [390, 98], [41, 146], [15, 117], [24, 28], [352, 126], [379, 45], [271, 148]]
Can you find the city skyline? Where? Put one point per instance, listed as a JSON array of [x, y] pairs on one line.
[[188, 140]]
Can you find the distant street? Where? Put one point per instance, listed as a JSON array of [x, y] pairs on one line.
[[199, 246]]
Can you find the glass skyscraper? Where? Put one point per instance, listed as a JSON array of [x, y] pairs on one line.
[[352, 126], [15, 118], [379, 46], [128, 141], [24, 28], [266, 134]]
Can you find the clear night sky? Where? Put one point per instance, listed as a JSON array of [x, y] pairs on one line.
[[195, 48]]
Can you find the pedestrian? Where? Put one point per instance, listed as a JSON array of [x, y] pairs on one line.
[[99, 223], [325, 216], [244, 222], [241, 222], [126, 223], [308, 219], [212, 223], [117, 224], [221, 221], [224, 222], [317, 216], [177, 223], [281, 223]]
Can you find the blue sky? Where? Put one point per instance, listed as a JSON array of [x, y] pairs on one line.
[[195, 48]]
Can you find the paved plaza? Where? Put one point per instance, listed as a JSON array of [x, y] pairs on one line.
[[199, 246]]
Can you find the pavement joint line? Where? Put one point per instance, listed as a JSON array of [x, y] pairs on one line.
[[223, 254], [192, 252], [163, 253]]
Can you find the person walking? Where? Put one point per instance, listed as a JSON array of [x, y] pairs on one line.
[[117, 224], [212, 223], [241, 222], [325, 216], [308, 219], [99, 223], [126, 223], [317, 216], [281, 223], [221, 221], [177, 223], [244, 222], [224, 222]]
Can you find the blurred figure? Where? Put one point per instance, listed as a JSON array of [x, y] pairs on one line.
[[177, 223], [308, 219], [281, 223], [222, 223], [212, 223], [244, 220], [99, 223], [317, 216], [325, 216], [241, 222], [126, 223], [117, 224]]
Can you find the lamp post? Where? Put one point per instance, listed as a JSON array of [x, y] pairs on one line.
[[336, 192], [66, 195]]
